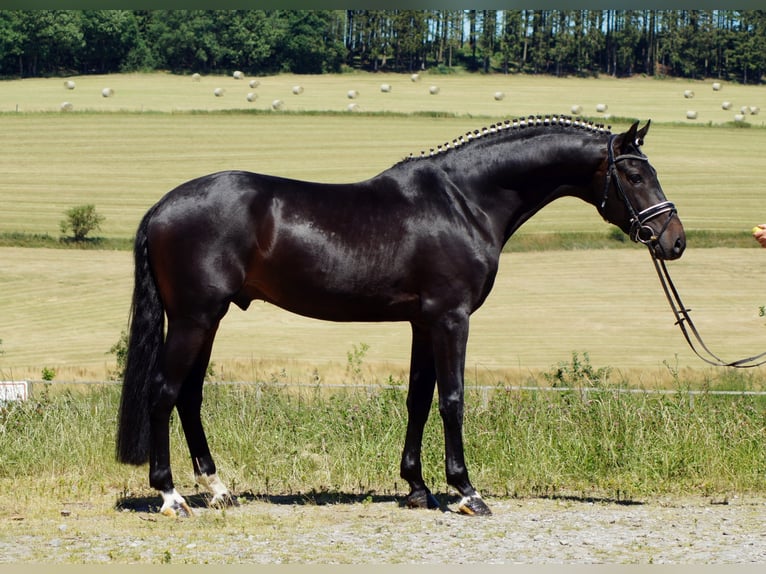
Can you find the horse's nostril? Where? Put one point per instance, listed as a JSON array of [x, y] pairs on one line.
[[680, 245]]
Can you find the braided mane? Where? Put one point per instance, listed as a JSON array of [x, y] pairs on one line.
[[517, 124]]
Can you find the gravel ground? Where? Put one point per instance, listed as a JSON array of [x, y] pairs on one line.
[[521, 531]]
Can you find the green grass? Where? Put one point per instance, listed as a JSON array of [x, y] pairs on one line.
[[270, 440], [40, 240], [524, 242]]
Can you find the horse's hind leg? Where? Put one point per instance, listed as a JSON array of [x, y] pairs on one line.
[[189, 408], [187, 345]]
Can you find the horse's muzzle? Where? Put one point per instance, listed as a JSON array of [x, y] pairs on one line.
[[669, 246], [669, 241]]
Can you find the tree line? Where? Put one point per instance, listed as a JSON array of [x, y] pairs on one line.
[[724, 44]]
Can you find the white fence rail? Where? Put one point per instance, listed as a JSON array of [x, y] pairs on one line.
[[16, 393]]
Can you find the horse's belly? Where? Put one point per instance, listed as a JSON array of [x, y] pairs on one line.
[[332, 299]]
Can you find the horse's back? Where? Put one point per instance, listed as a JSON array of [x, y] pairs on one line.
[[368, 251]]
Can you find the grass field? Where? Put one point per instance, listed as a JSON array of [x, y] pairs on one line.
[[124, 162], [64, 309], [460, 94]]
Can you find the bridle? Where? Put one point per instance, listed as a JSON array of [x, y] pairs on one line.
[[642, 233]]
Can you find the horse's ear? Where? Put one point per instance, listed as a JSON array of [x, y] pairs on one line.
[[642, 133], [628, 139]]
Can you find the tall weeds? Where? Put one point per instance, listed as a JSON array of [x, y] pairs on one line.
[[585, 441]]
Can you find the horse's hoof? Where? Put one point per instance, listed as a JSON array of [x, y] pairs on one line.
[[474, 506], [174, 505], [224, 501], [177, 510], [423, 499]]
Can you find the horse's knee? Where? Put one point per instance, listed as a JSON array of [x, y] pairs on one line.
[[451, 410]]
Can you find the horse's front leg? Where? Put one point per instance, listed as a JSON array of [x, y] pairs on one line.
[[450, 337], [419, 398]]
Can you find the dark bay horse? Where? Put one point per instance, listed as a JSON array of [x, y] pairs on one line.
[[420, 242]]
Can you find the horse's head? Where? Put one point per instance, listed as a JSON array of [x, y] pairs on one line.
[[633, 199]]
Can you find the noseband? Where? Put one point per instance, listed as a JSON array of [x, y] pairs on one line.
[[639, 231]]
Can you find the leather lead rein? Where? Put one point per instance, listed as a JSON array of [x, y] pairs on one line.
[[689, 330]]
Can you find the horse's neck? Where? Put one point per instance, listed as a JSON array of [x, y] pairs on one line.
[[513, 180]]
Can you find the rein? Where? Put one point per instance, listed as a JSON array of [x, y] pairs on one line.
[[642, 233], [689, 330]]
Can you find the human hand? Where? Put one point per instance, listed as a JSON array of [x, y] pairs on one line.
[[759, 233]]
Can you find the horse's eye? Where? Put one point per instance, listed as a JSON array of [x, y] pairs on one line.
[[635, 178]]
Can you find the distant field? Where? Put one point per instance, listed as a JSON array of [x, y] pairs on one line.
[[461, 94], [124, 162], [64, 309]]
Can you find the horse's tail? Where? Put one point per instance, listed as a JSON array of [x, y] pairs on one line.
[[146, 338]]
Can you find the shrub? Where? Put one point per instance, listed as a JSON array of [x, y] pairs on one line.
[[120, 352], [80, 221]]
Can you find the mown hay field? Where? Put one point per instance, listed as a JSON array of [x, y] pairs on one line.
[[461, 94], [65, 309]]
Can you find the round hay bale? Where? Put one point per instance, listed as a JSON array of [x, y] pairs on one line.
[[433, 90], [254, 83], [66, 106], [726, 105], [716, 86], [499, 96], [218, 92], [385, 88], [277, 104], [297, 90], [352, 94], [415, 77], [576, 109], [688, 94], [238, 75], [601, 108], [107, 93], [353, 107], [744, 110], [691, 115], [196, 77], [754, 110], [739, 117], [69, 84], [251, 96]]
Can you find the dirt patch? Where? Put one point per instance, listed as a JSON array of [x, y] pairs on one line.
[[378, 530]]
